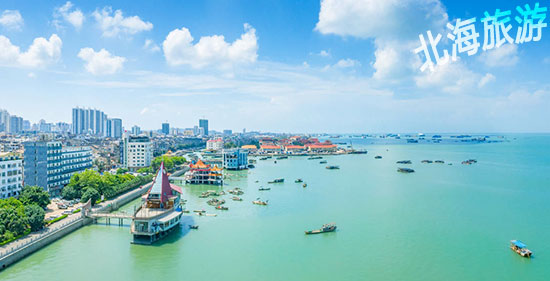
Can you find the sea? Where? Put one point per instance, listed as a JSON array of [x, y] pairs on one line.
[[446, 221]]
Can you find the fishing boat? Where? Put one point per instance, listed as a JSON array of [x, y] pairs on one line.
[[193, 226], [277, 181], [404, 162], [259, 202], [215, 202], [264, 189], [323, 162], [520, 248], [298, 180], [469, 162], [377, 157], [282, 157], [333, 167], [236, 198], [315, 157], [427, 161], [325, 228], [439, 161], [405, 170], [223, 208], [160, 211]]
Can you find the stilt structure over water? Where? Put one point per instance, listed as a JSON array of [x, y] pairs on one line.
[[201, 173], [160, 212]]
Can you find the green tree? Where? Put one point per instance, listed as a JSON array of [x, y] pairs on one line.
[[144, 170], [34, 195], [35, 216], [70, 193], [90, 193], [12, 218], [121, 171]]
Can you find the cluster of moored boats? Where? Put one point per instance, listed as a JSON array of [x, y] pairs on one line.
[[469, 161]]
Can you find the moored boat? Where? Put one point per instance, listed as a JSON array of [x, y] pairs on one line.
[[405, 170], [260, 202], [377, 157], [264, 189], [325, 228], [323, 162], [404, 162], [277, 181], [298, 180], [223, 208], [332, 167], [520, 248]]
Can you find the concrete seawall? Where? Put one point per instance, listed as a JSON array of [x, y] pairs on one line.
[[42, 241], [67, 226]]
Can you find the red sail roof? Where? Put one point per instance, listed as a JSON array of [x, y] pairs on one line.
[[161, 188]]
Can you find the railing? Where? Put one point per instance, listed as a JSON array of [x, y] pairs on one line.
[[33, 237]]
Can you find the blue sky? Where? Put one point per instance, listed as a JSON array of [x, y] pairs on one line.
[[285, 66]]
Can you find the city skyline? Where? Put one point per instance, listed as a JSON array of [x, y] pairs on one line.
[[322, 64]]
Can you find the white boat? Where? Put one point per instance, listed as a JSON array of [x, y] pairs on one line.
[[160, 212]]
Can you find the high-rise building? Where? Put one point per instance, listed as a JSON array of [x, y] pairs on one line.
[[136, 130], [89, 121], [166, 128], [116, 128], [203, 123], [11, 175], [227, 132], [136, 152], [16, 125], [4, 120], [50, 166]]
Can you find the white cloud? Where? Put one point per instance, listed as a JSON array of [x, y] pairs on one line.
[[151, 46], [102, 62], [506, 55], [346, 63], [31, 75], [451, 78], [144, 110], [11, 19], [113, 24], [66, 12], [488, 78], [41, 52], [210, 50], [324, 53], [393, 24]]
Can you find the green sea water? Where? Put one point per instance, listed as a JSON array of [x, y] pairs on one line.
[[443, 222]]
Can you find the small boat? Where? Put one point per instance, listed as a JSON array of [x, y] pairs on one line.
[[282, 157], [199, 211], [263, 158], [520, 248], [223, 208], [236, 198], [323, 162], [277, 181], [193, 226], [333, 167], [259, 202], [264, 189], [427, 161], [275, 161], [325, 228], [377, 157], [215, 202], [298, 180], [304, 185], [404, 162], [315, 157], [251, 166], [469, 162], [439, 161], [405, 170]]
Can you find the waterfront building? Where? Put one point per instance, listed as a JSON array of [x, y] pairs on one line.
[[165, 128], [136, 152], [250, 147], [325, 147], [203, 123], [48, 165], [160, 211], [294, 149], [11, 175], [235, 159], [214, 144], [271, 149], [201, 173]]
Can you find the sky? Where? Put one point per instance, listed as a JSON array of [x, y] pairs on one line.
[[336, 66]]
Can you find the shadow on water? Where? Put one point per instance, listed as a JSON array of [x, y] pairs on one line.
[[175, 235]]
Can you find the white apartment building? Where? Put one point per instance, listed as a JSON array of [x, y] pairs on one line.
[[11, 175], [137, 152], [215, 144]]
